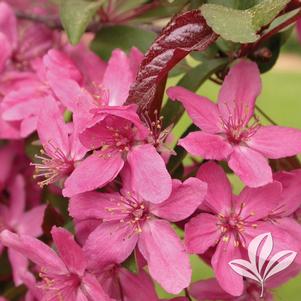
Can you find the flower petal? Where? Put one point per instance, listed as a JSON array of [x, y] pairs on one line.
[[203, 112], [208, 289], [135, 58], [167, 260], [252, 168], [70, 252], [201, 232], [52, 130], [185, 198], [276, 142], [19, 265], [34, 250], [219, 192], [31, 221], [5, 51], [239, 91], [150, 179], [17, 200], [118, 78], [109, 243], [91, 66], [8, 24], [258, 203], [92, 205], [93, 290], [137, 287], [290, 199], [206, 145], [229, 280], [93, 172]]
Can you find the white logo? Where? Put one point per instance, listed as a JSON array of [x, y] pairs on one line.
[[259, 267]]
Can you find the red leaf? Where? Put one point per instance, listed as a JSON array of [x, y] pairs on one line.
[[51, 218], [183, 34]]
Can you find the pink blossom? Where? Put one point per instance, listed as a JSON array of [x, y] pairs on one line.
[[118, 136], [61, 148], [99, 84], [228, 134], [22, 46], [64, 274], [130, 220], [22, 42], [14, 218], [229, 222]]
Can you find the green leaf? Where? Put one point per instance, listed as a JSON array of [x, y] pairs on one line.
[[232, 24], [266, 56], [238, 4], [242, 25], [165, 9], [192, 80], [76, 16], [175, 162], [121, 36], [266, 11], [131, 264]]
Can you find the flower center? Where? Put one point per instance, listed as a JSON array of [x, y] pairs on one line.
[[234, 224], [131, 210], [120, 139], [53, 165], [238, 127], [59, 283], [99, 93]]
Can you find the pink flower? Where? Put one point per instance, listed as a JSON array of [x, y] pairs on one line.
[[130, 220], [21, 42], [118, 136], [64, 275], [229, 222], [22, 46], [209, 290], [227, 133], [14, 218], [61, 148], [100, 84]]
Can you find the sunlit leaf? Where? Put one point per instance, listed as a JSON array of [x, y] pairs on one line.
[[76, 16]]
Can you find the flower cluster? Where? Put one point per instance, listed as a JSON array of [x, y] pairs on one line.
[[69, 134]]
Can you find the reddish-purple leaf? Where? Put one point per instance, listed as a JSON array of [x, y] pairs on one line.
[[183, 34], [51, 218]]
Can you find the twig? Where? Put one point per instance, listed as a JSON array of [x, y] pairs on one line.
[[54, 22], [265, 115], [50, 21], [187, 295], [250, 48]]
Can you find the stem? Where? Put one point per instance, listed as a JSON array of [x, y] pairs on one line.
[[250, 48], [279, 28], [50, 21], [187, 295], [265, 115], [54, 23]]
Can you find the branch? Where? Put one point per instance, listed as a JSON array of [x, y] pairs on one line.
[[50, 21], [187, 295], [54, 22]]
